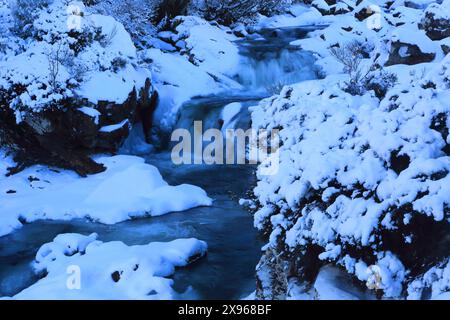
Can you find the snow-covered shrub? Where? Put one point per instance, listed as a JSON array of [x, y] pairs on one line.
[[362, 76], [113, 270], [380, 82], [169, 9], [435, 283], [24, 13], [49, 60]]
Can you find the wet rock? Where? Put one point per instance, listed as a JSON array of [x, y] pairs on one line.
[[195, 257]]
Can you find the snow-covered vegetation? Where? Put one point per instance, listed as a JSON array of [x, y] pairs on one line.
[[364, 162], [113, 270], [128, 189]]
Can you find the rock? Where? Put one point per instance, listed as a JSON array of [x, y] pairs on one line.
[[406, 53], [115, 276], [65, 134], [333, 283], [417, 4], [436, 21], [364, 13]]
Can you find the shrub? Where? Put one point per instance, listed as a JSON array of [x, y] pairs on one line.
[[24, 12]]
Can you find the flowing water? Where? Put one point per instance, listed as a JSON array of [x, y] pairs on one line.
[[227, 272]]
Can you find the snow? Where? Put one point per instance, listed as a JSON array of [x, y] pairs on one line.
[[338, 186], [176, 80], [310, 16], [109, 270], [114, 127], [437, 279], [93, 113], [209, 45], [439, 10], [128, 189], [403, 34]]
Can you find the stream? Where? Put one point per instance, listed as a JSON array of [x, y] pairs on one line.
[[228, 271]]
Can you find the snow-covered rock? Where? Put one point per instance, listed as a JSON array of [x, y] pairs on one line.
[[71, 61], [81, 267], [436, 20], [204, 60]]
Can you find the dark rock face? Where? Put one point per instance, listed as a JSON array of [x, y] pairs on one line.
[[436, 28], [406, 53], [64, 136]]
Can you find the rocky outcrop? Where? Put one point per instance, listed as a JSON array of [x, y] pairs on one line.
[[407, 53], [68, 132], [436, 21]]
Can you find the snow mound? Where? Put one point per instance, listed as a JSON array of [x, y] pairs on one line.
[[110, 270], [129, 188], [70, 52], [363, 179]]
